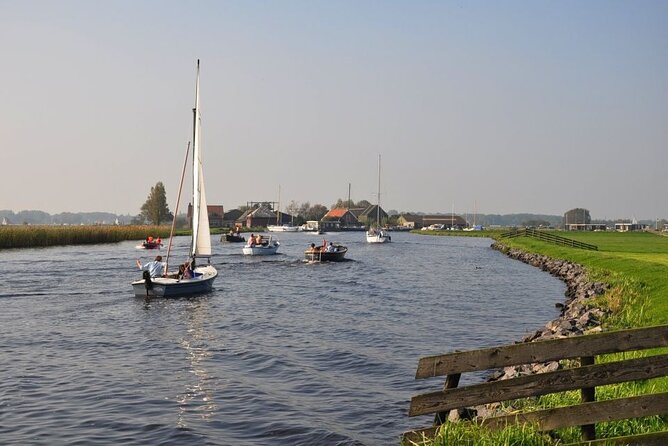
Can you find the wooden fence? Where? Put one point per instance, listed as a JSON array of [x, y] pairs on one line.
[[549, 237], [584, 377]]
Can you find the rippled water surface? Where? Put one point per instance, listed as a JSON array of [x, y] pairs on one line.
[[281, 352]]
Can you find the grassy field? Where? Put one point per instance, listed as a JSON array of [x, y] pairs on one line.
[[635, 264]]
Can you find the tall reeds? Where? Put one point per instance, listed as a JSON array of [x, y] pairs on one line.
[[31, 236]]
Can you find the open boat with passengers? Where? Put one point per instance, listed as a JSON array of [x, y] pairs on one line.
[[326, 253], [259, 245]]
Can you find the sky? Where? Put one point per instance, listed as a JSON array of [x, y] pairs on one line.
[[474, 106]]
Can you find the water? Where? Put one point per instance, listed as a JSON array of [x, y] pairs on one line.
[[281, 352]]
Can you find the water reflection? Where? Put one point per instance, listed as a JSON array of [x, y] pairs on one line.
[[198, 396]]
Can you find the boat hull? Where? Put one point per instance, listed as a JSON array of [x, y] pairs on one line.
[[262, 250], [282, 228], [167, 287], [324, 256], [149, 245]]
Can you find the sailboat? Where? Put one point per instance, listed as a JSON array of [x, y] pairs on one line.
[[376, 234], [279, 226], [202, 277]]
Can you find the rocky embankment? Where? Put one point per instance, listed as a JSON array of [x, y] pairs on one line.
[[578, 313], [578, 316]]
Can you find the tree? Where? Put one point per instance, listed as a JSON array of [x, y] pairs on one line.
[[315, 212], [155, 210], [292, 208]]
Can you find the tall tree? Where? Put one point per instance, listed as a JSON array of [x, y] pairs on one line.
[[155, 210]]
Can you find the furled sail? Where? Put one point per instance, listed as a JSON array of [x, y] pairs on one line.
[[201, 243]]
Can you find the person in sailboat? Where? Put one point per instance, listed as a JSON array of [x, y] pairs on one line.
[[155, 268]]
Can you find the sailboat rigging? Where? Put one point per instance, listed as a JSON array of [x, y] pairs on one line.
[[376, 234], [201, 277]]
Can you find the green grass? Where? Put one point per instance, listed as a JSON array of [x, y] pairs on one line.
[[635, 264]]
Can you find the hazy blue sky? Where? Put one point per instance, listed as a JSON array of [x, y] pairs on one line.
[[531, 106]]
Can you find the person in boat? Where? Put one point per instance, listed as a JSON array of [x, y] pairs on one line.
[[159, 241], [258, 239], [179, 273], [314, 248], [155, 268], [187, 271], [330, 248], [251, 240]]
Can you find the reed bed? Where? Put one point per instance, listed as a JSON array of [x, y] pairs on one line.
[[33, 236]]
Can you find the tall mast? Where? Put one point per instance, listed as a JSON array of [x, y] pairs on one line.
[[378, 202], [278, 209]]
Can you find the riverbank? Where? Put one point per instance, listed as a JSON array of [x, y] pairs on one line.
[[39, 236], [623, 285]]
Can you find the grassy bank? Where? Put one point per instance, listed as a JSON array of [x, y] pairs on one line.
[[32, 236], [636, 267]]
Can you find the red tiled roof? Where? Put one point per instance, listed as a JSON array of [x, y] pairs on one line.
[[336, 213]]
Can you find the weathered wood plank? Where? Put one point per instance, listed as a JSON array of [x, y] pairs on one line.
[[581, 414], [542, 351], [540, 384], [652, 439]]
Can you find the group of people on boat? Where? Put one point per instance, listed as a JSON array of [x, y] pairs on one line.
[[324, 247], [255, 240], [151, 242], [156, 268]]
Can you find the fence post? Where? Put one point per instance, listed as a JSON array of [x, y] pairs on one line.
[[451, 382], [588, 395]]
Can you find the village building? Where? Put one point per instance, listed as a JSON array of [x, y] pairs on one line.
[[368, 215], [410, 221], [585, 227], [230, 218], [444, 221], [339, 219], [626, 226], [262, 216], [214, 211]]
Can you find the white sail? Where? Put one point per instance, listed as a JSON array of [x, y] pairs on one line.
[[201, 243]]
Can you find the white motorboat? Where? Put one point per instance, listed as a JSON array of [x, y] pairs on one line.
[[202, 276], [282, 228], [266, 247]]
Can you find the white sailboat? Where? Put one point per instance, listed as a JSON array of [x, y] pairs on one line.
[[278, 227], [202, 276], [376, 234]]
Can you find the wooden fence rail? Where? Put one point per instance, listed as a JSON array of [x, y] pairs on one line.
[[549, 237], [586, 377]]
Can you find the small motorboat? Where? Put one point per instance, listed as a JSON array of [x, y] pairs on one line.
[[265, 247], [332, 253], [233, 238]]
